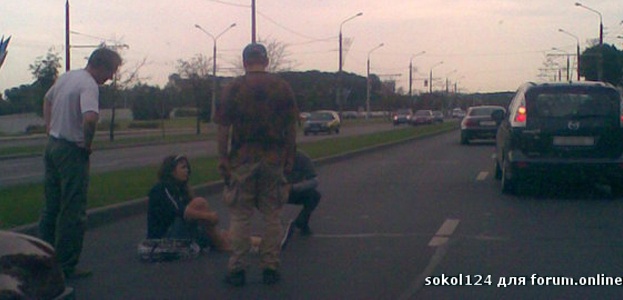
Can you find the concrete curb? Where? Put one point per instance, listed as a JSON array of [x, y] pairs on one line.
[[104, 215]]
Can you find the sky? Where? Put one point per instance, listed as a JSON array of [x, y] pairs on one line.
[[477, 45]]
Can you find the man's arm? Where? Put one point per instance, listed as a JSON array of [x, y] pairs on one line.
[[89, 123], [290, 133], [47, 114], [222, 139]]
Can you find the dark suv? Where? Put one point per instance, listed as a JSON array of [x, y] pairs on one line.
[[568, 131]]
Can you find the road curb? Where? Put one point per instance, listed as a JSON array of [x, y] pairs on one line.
[[104, 215]]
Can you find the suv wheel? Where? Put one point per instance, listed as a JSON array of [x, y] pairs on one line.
[[508, 185], [498, 170], [616, 189]]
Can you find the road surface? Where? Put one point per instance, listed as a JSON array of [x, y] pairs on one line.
[[389, 223]]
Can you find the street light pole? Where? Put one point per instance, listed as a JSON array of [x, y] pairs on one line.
[[338, 94], [253, 27], [601, 23], [567, 55], [411, 74], [214, 39], [67, 45], [368, 81], [430, 78], [577, 48]]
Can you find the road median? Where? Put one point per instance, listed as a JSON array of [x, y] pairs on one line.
[[105, 208]]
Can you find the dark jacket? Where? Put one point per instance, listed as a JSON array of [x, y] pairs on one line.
[[166, 202]]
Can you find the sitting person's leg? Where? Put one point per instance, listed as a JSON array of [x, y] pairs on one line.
[[198, 210]]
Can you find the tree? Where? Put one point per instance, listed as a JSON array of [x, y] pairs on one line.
[[45, 72], [278, 56], [602, 62], [194, 74]]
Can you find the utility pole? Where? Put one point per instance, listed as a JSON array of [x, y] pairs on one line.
[[253, 24], [67, 52]]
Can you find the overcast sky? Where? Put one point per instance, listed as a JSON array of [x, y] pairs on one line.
[[494, 45]]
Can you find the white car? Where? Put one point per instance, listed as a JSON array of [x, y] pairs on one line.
[[458, 113]]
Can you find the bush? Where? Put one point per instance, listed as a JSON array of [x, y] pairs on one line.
[[31, 129], [185, 112], [105, 125], [144, 125]]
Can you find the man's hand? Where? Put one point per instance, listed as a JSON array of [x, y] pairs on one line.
[[224, 169]]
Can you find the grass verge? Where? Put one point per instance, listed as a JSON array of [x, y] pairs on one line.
[[22, 204]]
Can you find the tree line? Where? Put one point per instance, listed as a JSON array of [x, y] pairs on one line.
[[191, 88]]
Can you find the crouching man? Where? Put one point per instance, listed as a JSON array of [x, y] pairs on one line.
[[303, 180]]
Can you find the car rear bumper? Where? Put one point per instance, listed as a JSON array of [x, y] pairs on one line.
[[580, 169], [480, 132]]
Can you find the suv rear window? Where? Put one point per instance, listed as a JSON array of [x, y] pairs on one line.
[[574, 104], [483, 111]]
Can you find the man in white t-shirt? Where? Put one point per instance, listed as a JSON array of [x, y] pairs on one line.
[[71, 113]]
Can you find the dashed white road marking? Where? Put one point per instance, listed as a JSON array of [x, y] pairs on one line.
[[440, 242], [482, 176], [443, 233]]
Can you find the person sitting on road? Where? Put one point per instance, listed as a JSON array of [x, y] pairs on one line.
[[173, 212], [303, 180]]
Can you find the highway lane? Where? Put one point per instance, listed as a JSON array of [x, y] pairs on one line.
[[390, 222], [30, 169]]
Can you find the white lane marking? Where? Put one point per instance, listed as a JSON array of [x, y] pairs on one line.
[[482, 176], [437, 241], [418, 283], [448, 227], [440, 242], [446, 230]]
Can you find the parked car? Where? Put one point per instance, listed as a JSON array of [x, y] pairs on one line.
[[458, 113], [29, 270], [437, 116], [563, 131], [422, 117], [478, 123], [402, 116], [322, 121]]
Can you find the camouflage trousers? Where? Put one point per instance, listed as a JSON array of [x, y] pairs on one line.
[[255, 186]]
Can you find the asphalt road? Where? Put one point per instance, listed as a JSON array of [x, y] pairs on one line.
[[390, 222], [30, 169]]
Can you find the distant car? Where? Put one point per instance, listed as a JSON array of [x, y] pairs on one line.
[[437, 116], [422, 117], [303, 116], [478, 123], [349, 114], [561, 131], [458, 113], [322, 121], [402, 116], [29, 270]]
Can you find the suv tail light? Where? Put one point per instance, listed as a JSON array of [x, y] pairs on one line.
[[520, 117], [621, 112]]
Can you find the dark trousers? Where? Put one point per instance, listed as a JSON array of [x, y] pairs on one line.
[[309, 199], [63, 218]]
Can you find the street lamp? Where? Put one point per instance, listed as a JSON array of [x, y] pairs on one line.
[[601, 24], [577, 48], [214, 39], [368, 81], [411, 71], [567, 55], [447, 83], [338, 93], [430, 79]]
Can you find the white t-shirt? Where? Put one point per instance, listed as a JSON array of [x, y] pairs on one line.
[[73, 94]]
